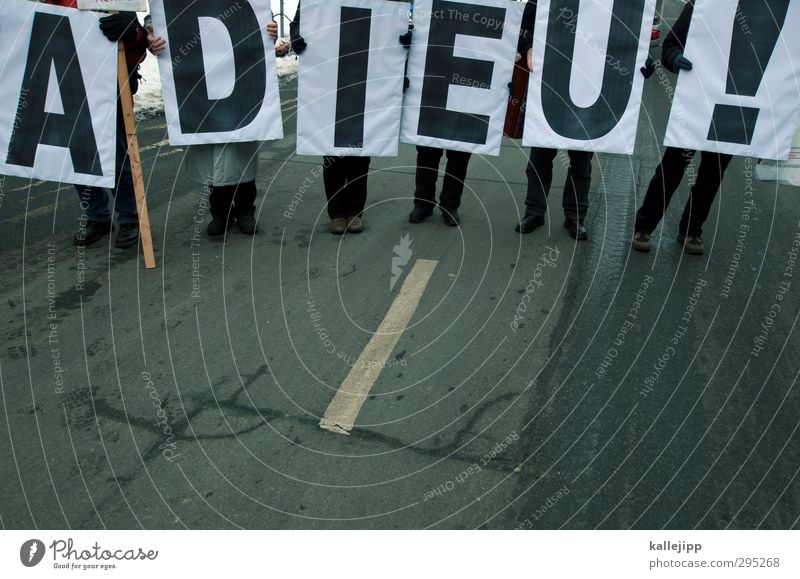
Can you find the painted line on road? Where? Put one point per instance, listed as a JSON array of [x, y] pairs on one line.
[[340, 417]]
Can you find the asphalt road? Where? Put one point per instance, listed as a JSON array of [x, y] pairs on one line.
[[541, 383]]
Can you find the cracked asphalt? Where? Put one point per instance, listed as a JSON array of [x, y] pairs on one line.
[[629, 391]]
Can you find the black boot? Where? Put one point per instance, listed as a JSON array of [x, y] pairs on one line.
[[451, 217], [91, 233], [220, 200], [420, 212], [128, 235], [244, 205]]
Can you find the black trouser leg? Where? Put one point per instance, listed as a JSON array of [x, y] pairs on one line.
[[427, 174], [540, 177], [220, 201], [454, 177], [662, 187], [356, 188], [244, 199], [576, 189], [701, 197], [335, 178]]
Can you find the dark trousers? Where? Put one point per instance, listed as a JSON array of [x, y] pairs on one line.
[[345, 185], [233, 200], [576, 188], [428, 159], [667, 179], [94, 200]]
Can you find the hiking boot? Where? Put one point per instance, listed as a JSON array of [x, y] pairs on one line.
[[641, 241], [355, 225], [692, 244], [338, 226]]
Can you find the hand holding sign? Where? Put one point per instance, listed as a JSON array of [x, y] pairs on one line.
[[683, 63], [123, 26]]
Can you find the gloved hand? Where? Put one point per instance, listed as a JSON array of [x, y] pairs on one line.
[[122, 26], [683, 63], [405, 39], [406, 83], [511, 86], [649, 68], [299, 45]]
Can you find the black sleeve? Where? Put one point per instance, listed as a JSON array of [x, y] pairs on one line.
[[526, 30], [676, 39], [294, 27]]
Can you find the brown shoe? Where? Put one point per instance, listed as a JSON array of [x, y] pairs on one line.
[[338, 226], [641, 241], [355, 225], [692, 244]]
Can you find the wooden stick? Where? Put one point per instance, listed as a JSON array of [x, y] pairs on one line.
[[126, 100]]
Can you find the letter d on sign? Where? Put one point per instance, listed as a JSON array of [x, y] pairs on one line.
[[198, 112]]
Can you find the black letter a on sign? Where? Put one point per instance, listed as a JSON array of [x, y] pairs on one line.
[[563, 115], [199, 114], [52, 45]]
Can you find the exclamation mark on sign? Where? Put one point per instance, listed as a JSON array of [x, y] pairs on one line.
[[755, 34]]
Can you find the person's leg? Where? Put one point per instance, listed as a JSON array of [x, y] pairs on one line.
[[701, 197], [576, 189], [356, 188], [244, 199], [540, 177], [428, 159], [454, 177], [662, 187], [357, 179], [95, 219], [124, 193], [244, 206], [334, 176], [220, 205]]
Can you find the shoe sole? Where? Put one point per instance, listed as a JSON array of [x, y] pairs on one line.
[[419, 219], [127, 244], [641, 246]]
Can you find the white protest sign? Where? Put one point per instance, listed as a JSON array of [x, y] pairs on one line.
[[218, 71], [460, 65], [114, 5], [753, 109], [586, 86], [58, 95], [350, 90]]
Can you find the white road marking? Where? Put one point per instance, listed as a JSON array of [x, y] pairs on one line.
[[340, 417]]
